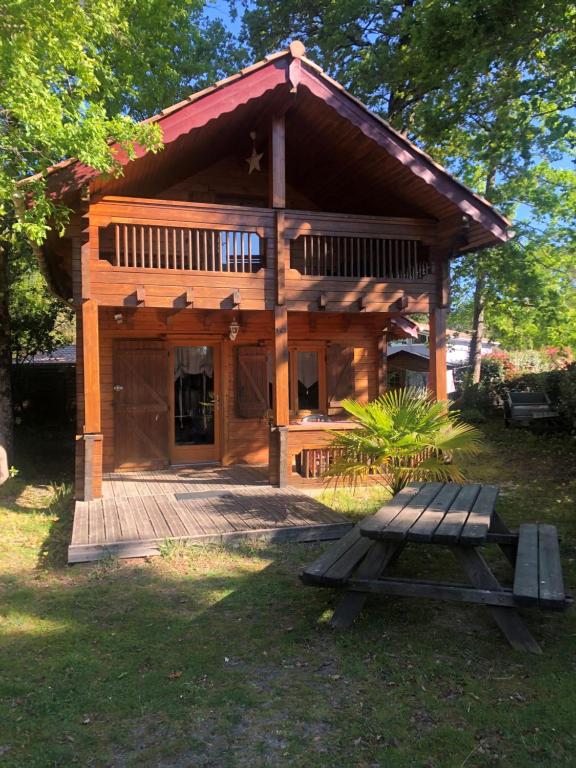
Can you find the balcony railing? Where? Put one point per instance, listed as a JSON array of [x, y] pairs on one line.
[[182, 248], [342, 256]]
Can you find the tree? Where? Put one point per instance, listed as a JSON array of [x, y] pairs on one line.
[[487, 87], [73, 76]]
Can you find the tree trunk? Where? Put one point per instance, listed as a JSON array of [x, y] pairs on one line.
[[6, 417], [475, 359]]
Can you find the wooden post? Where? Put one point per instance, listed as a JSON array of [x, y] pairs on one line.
[[89, 436], [277, 177], [437, 344], [437, 371], [91, 486], [382, 363], [278, 456]]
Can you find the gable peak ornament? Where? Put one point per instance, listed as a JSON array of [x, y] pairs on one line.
[[255, 158]]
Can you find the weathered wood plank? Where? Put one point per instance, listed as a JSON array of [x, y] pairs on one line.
[[432, 590], [550, 577], [526, 571], [451, 526], [327, 559], [80, 525], [423, 529], [374, 525], [478, 523], [400, 525]]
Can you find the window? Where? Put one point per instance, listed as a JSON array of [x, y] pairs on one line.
[[307, 380]]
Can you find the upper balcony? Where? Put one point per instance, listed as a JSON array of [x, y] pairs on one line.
[[170, 254]]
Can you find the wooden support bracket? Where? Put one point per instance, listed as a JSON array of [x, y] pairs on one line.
[[140, 295], [400, 304], [322, 301], [236, 298]]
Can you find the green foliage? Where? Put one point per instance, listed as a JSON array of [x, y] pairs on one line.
[[488, 88], [73, 75], [39, 321], [403, 436]]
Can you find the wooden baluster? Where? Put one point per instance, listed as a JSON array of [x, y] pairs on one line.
[[189, 253], [142, 250], [165, 260], [205, 247], [126, 252], [249, 252], [305, 244], [197, 248], [150, 248], [181, 254], [116, 245], [132, 238], [174, 260], [213, 260]]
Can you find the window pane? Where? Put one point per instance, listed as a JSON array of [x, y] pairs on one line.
[[194, 395], [308, 384]]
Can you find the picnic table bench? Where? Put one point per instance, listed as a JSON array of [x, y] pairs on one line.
[[462, 517]]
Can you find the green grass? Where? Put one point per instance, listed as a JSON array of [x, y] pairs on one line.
[[218, 657]]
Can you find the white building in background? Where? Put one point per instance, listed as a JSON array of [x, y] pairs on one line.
[[417, 351]]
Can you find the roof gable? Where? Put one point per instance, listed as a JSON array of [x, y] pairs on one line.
[[288, 73]]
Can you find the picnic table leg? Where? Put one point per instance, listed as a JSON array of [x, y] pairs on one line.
[[373, 565], [480, 575], [497, 525]]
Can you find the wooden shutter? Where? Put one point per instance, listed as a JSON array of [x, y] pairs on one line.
[[251, 382], [340, 374]]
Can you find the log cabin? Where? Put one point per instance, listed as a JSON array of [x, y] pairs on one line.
[[233, 288]]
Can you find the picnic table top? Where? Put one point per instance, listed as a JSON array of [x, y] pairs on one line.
[[443, 513]]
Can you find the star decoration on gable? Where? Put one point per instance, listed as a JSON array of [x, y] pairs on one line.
[[255, 158]]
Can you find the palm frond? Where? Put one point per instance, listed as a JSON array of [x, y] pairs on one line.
[[402, 436]]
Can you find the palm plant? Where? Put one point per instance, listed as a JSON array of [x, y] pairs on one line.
[[403, 436]]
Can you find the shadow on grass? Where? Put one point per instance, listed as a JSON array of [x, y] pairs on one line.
[[53, 553]]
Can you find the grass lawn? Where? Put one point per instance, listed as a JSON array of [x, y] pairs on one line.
[[218, 657]]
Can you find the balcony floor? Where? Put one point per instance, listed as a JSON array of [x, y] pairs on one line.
[[141, 510]]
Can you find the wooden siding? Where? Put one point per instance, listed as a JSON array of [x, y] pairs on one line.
[[243, 440], [122, 271]]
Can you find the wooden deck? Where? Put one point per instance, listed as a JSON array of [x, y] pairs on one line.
[[141, 510]]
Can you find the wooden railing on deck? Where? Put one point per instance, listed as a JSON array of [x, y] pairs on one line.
[[312, 463], [168, 247]]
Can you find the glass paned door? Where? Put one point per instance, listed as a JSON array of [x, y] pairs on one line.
[[195, 403]]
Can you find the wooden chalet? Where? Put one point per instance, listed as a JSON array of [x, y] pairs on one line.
[[234, 287]]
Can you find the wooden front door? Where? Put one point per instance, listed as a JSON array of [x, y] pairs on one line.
[[195, 406], [141, 424]]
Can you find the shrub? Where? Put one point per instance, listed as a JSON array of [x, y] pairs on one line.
[[402, 436]]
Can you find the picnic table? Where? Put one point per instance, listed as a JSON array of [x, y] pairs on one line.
[[464, 519]]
